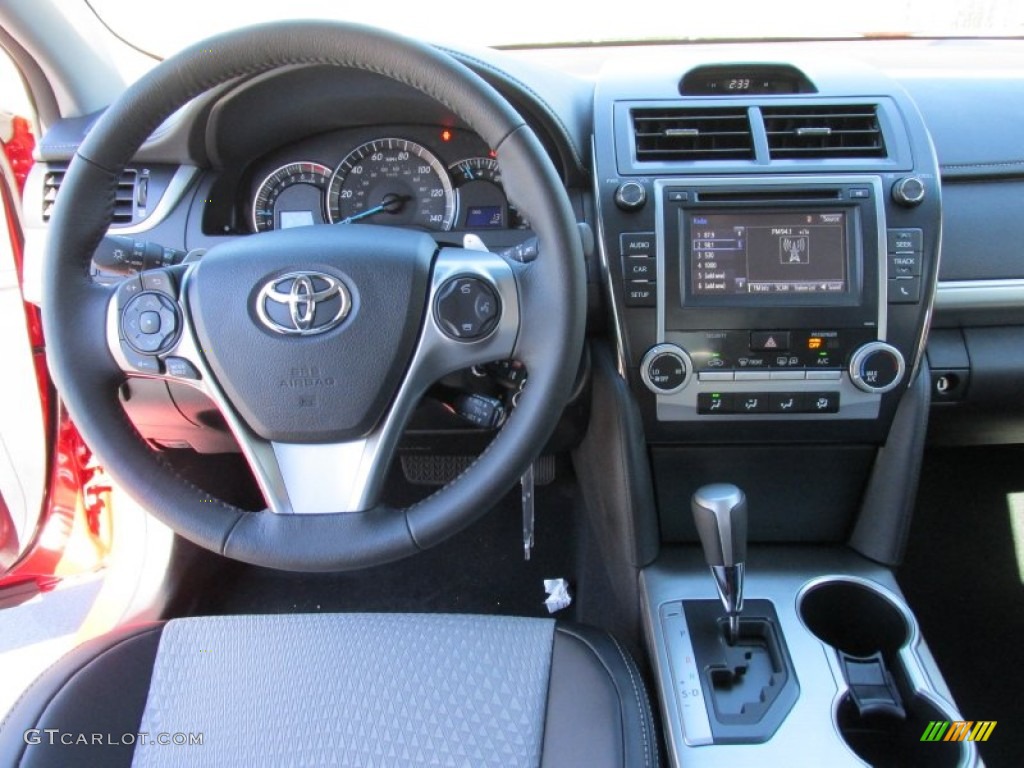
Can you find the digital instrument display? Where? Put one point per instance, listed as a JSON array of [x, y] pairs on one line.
[[291, 219], [779, 253], [484, 217], [742, 83]]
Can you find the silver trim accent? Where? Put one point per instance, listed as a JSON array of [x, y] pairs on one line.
[[617, 327], [657, 351], [778, 575], [301, 300], [255, 450], [729, 583], [323, 197], [299, 478], [179, 184], [854, 403], [451, 199], [899, 191], [693, 713], [824, 375], [355, 469], [869, 349], [954, 295], [715, 376], [754, 182]]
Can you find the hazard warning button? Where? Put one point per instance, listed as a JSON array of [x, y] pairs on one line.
[[770, 340]]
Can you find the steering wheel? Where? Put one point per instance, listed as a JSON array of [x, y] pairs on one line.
[[316, 343]]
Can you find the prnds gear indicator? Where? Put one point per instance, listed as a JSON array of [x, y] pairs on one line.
[[779, 253]]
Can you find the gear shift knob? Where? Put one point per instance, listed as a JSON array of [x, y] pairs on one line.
[[720, 514]]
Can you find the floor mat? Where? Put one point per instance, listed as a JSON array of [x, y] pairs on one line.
[[480, 570], [962, 578]]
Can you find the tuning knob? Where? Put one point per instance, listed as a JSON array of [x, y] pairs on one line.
[[877, 367], [908, 191]]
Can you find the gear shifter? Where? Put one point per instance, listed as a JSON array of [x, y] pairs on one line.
[[720, 514]]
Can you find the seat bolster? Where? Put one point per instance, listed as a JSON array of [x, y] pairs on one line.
[[100, 687], [598, 712]]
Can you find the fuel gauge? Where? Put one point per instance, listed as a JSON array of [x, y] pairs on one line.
[[482, 200]]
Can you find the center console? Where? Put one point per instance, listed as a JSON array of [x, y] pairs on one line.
[[769, 237], [853, 652]]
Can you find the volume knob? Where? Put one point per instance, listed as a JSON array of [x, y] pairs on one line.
[[631, 196], [877, 367]]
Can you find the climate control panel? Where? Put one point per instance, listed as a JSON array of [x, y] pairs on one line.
[[771, 374]]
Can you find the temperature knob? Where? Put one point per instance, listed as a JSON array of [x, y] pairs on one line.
[[665, 369], [876, 367]]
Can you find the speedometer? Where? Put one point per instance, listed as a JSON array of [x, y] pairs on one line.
[[392, 181]]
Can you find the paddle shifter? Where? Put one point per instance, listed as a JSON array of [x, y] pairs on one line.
[[720, 513]]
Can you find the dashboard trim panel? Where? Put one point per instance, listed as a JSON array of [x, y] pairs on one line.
[[979, 294]]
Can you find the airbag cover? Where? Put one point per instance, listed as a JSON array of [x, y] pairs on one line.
[[326, 386]]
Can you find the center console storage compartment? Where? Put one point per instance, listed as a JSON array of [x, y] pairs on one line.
[[830, 480]]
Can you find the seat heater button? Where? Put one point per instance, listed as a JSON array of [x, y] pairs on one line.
[[821, 402], [785, 402], [714, 403], [750, 402]]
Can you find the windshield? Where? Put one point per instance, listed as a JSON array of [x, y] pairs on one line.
[[163, 28]]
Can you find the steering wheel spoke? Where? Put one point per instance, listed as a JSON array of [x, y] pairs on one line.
[[471, 317], [316, 343]]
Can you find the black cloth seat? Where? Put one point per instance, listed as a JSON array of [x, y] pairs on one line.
[[338, 689]]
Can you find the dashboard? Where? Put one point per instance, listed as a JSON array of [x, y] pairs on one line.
[[774, 236], [803, 261]]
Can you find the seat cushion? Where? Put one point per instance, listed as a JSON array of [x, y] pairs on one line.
[[343, 689]]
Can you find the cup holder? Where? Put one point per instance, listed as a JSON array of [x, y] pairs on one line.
[[882, 716]]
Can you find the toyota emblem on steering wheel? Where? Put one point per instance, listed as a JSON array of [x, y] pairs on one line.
[[303, 303]]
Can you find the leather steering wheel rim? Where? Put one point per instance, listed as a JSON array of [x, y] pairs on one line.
[[551, 293]]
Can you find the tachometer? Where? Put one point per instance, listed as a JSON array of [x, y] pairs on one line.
[[482, 200], [392, 181], [291, 196]]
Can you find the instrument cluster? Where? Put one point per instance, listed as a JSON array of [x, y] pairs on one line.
[[434, 178]]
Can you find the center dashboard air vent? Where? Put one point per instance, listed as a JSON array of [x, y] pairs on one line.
[[682, 134], [124, 204], [823, 131]]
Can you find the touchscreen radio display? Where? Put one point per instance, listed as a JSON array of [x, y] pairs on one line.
[[760, 253]]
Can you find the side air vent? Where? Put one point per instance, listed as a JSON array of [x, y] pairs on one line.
[[123, 205], [674, 134], [845, 131]]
